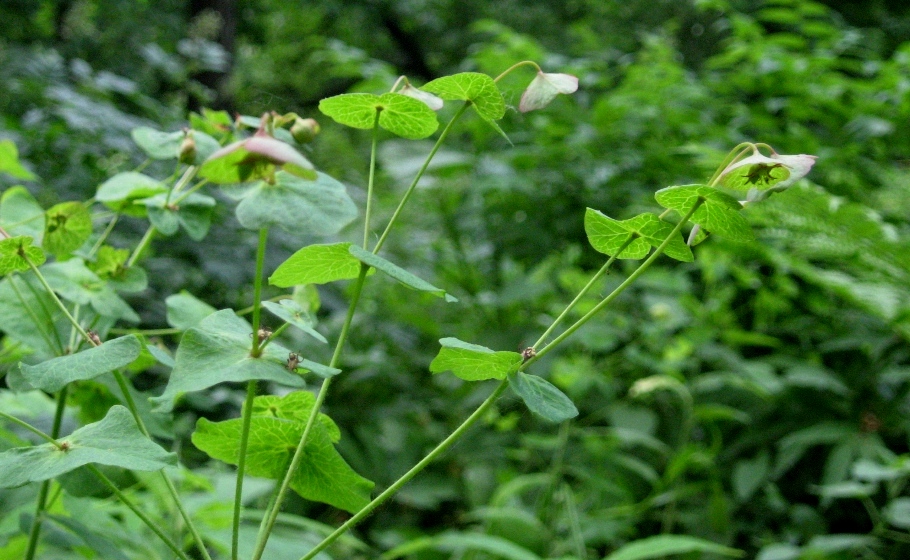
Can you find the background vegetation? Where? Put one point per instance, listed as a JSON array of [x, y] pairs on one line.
[[757, 397]]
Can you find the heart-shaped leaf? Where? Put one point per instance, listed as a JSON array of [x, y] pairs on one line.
[[472, 362], [53, 375], [607, 235], [20, 214], [398, 113], [320, 207], [316, 264], [398, 273], [114, 441], [120, 192], [544, 88], [477, 88], [718, 212], [218, 350], [542, 397], [16, 252], [291, 312], [276, 427], [67, 226]]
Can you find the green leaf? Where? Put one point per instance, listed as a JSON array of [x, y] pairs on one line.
[[291, 312], [96, 541], [9, 162], [76, 283], [256, 157], [185, 311], [398, 273], [655, 231], [542, 397], [472, 362], [53, 375], [477, 88], [217, 351], [68, 226], [897, 512], [114, 441], [275, 431], [316, 264], [16, 252], [28, 316], [157, 144], [607, 235], [121, 192], [719, 213], [457, 543], [20, 214], [664, 545], [399, 114], [320, 207], [194, 213]]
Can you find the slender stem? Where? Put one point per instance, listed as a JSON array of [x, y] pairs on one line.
[[187, 176], [266, 528], [256, 351], [391, 490], [59, 303], [35, 531], [619, 289], [366, 219], [603, 270], [241, 466], [146, 332], [423, 168], [105, 234], [143, 243], [516, 66], [732, 156]]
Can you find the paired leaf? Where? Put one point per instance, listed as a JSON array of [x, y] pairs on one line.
[[319, 207], [16, 252], [52, 375], [718, 212], [291, 312], [194, 213], [114, 441], [317, 264], [276, 427], [544, 89], [398, 113], [664, 545], [472, 362], [607, 236], [20, 214], [68, 225], [479, 89], [121, 192], [542, 397], [398, 273], [218, 350], [9, 162]]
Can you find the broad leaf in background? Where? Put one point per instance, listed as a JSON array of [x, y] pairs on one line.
[[275, 430], [114, 441], [257, 157], [76, 283], [67, 227], [121, 192], [194, 213], [218, 351], [718, 213], [20, 214], [398, 113], [166, 145], [53, 375], [398, 273], [291, 312], [300, 206], [17, 252], [666, 545], [184, 310], [316, 264], [9, 162], [29, 316], [473, 362], [542, 397], [544, 88]]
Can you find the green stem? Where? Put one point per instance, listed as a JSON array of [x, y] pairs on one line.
[[143, 243], [241, 465], [733, 156], [368, 212], [266, 528], [59, 303], [146, 332], [516, 66], [423, 168], [187, 176], [35, 531], [104, 235], [391, 490], [619, 289], [256, 351], [603, 270]]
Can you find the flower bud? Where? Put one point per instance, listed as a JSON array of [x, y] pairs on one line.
[[187, 152], [304, 130]]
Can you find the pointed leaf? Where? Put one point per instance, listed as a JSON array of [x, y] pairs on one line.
[[398, 113], [472, 362], [185, 311], [20, 214], [607, 235], [9, 162], [291, 312], [68, 226], [477, 88], [16, 252], [53, 375], [316, 264], [320, 207], [719, 213], [114, 441], [323, 475], [120, 192], [655, 231], [356, 110], [665, 545], [398, 273], [218, 350], [544, 89], [542, 397]]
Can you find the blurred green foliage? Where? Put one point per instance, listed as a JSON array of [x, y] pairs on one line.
[[757, 397]]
